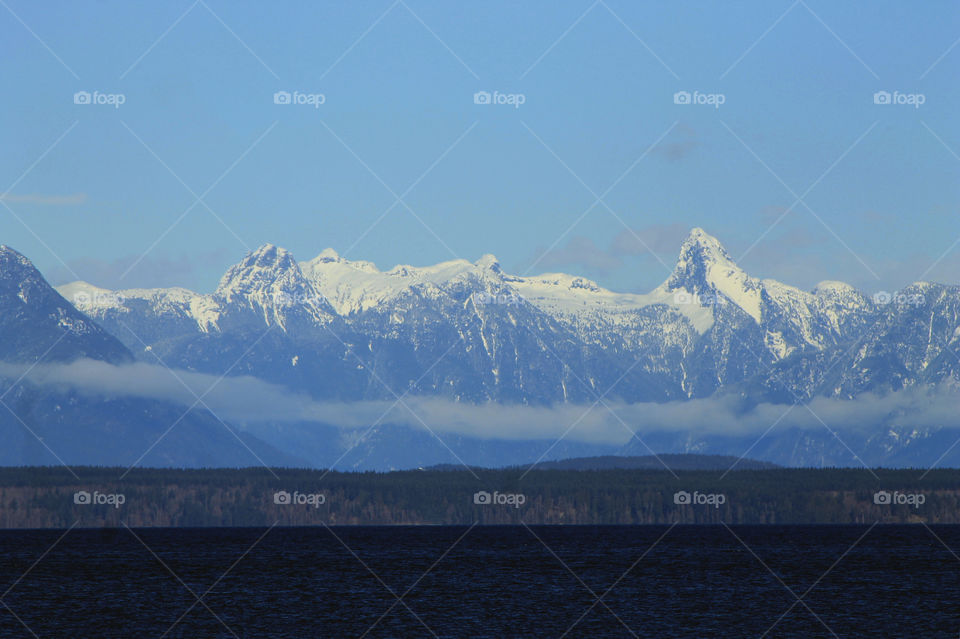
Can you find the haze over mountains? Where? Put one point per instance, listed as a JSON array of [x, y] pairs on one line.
[[491, 368]]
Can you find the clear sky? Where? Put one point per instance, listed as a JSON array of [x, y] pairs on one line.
[[95, 189]]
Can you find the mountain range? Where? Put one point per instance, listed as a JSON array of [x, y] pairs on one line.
[[337, 331], [53, 424]]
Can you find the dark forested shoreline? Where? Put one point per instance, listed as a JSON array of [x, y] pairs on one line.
[[34, 497]]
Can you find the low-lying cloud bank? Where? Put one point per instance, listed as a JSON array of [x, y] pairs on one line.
[[245, 400]]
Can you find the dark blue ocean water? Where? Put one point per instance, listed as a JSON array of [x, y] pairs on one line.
[[898, 581]]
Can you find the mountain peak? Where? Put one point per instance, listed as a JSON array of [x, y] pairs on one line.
[[269, 256], [705, 270], [9, 257], [702, 243], [702, 259], [328, 255], [269, 286], [16, 270], [265, 268], [488, 262]]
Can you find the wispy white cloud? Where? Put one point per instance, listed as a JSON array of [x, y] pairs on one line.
[[45, 199], [247, 400], [579, 251]]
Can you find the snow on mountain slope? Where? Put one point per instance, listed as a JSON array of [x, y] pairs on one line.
[[709, 324], [269, 286], [791, 319], [705, 270], [911, 340], [266, 288], [581, 300], [269, 281], [353, 287], [170, 304], [469, 332]]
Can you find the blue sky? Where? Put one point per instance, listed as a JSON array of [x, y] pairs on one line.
[[97, 190]]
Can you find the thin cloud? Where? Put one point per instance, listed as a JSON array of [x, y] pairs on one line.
[[44, 199], [659, 238], [247, 400], [581, 252], [678, 145]]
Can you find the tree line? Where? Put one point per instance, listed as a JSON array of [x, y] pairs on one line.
[[47, 497]]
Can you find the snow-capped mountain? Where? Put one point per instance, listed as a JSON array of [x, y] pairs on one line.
[[914, 340], [266, 289], [344, 330]]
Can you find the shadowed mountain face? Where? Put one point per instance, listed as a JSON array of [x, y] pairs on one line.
[[339, 330], [47, 425], [35, 321]]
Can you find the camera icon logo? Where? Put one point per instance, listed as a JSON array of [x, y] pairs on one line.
[[682, 297], [81, 97], [81, 497], [882, 297], [281, 97], [881, 498], [681, 97], [81, 298], [481, 97], [681, 498], [881, 97], [482, 497], [281, 497], [282, 298]]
